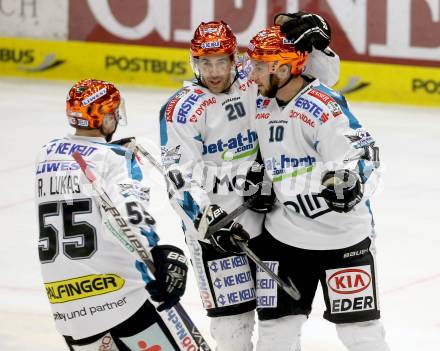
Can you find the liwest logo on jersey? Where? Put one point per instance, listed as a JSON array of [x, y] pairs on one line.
[[242, 145], [55, 166], [282, 166], [82, 287], [187, 105], [350, 289]]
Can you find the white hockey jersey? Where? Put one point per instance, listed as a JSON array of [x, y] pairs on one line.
[[313, 133], [209, 139], [91, 281]]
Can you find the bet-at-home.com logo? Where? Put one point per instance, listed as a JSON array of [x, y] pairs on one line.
[[240, 146]]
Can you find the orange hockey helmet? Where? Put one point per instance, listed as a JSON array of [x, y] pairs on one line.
[[89, 100], [270, 45], [213, 38]]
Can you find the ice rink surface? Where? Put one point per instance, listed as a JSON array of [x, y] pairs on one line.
[[406, 212]]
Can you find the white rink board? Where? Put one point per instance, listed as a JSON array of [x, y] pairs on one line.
[[32, 112]]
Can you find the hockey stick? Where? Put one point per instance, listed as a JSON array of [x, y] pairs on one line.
[[290, 288], [203, 229], [128, 240]]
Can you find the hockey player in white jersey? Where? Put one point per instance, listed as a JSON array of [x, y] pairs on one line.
[[99, 293], [207, 146], [323, 166]]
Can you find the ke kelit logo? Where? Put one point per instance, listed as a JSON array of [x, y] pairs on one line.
[[349, 281], [279, 167], [187, 105], [232, 280], [82, 287], [242, 145]]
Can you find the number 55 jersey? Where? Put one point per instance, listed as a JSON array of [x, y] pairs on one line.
[[91, 281]]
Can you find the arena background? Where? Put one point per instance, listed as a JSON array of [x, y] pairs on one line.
[[390, 51]]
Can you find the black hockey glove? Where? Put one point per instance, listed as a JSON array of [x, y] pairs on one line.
[[259, 187], [343, 189], [170, 276], [224, 240], [307, 30]]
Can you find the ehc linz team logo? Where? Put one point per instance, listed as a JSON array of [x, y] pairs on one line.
[[242, 145], [361, 139]]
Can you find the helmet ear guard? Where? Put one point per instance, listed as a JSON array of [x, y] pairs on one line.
[[89, 101]]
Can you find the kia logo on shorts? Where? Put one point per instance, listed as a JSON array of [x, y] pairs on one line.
[[349, 281]]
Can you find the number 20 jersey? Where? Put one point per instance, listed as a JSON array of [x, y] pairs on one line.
[[91, 281]]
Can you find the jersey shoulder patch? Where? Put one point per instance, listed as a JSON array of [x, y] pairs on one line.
[[329, 103], [187, 105]]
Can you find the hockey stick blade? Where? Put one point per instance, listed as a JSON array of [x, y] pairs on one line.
[[290, 288], [178, 309]]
